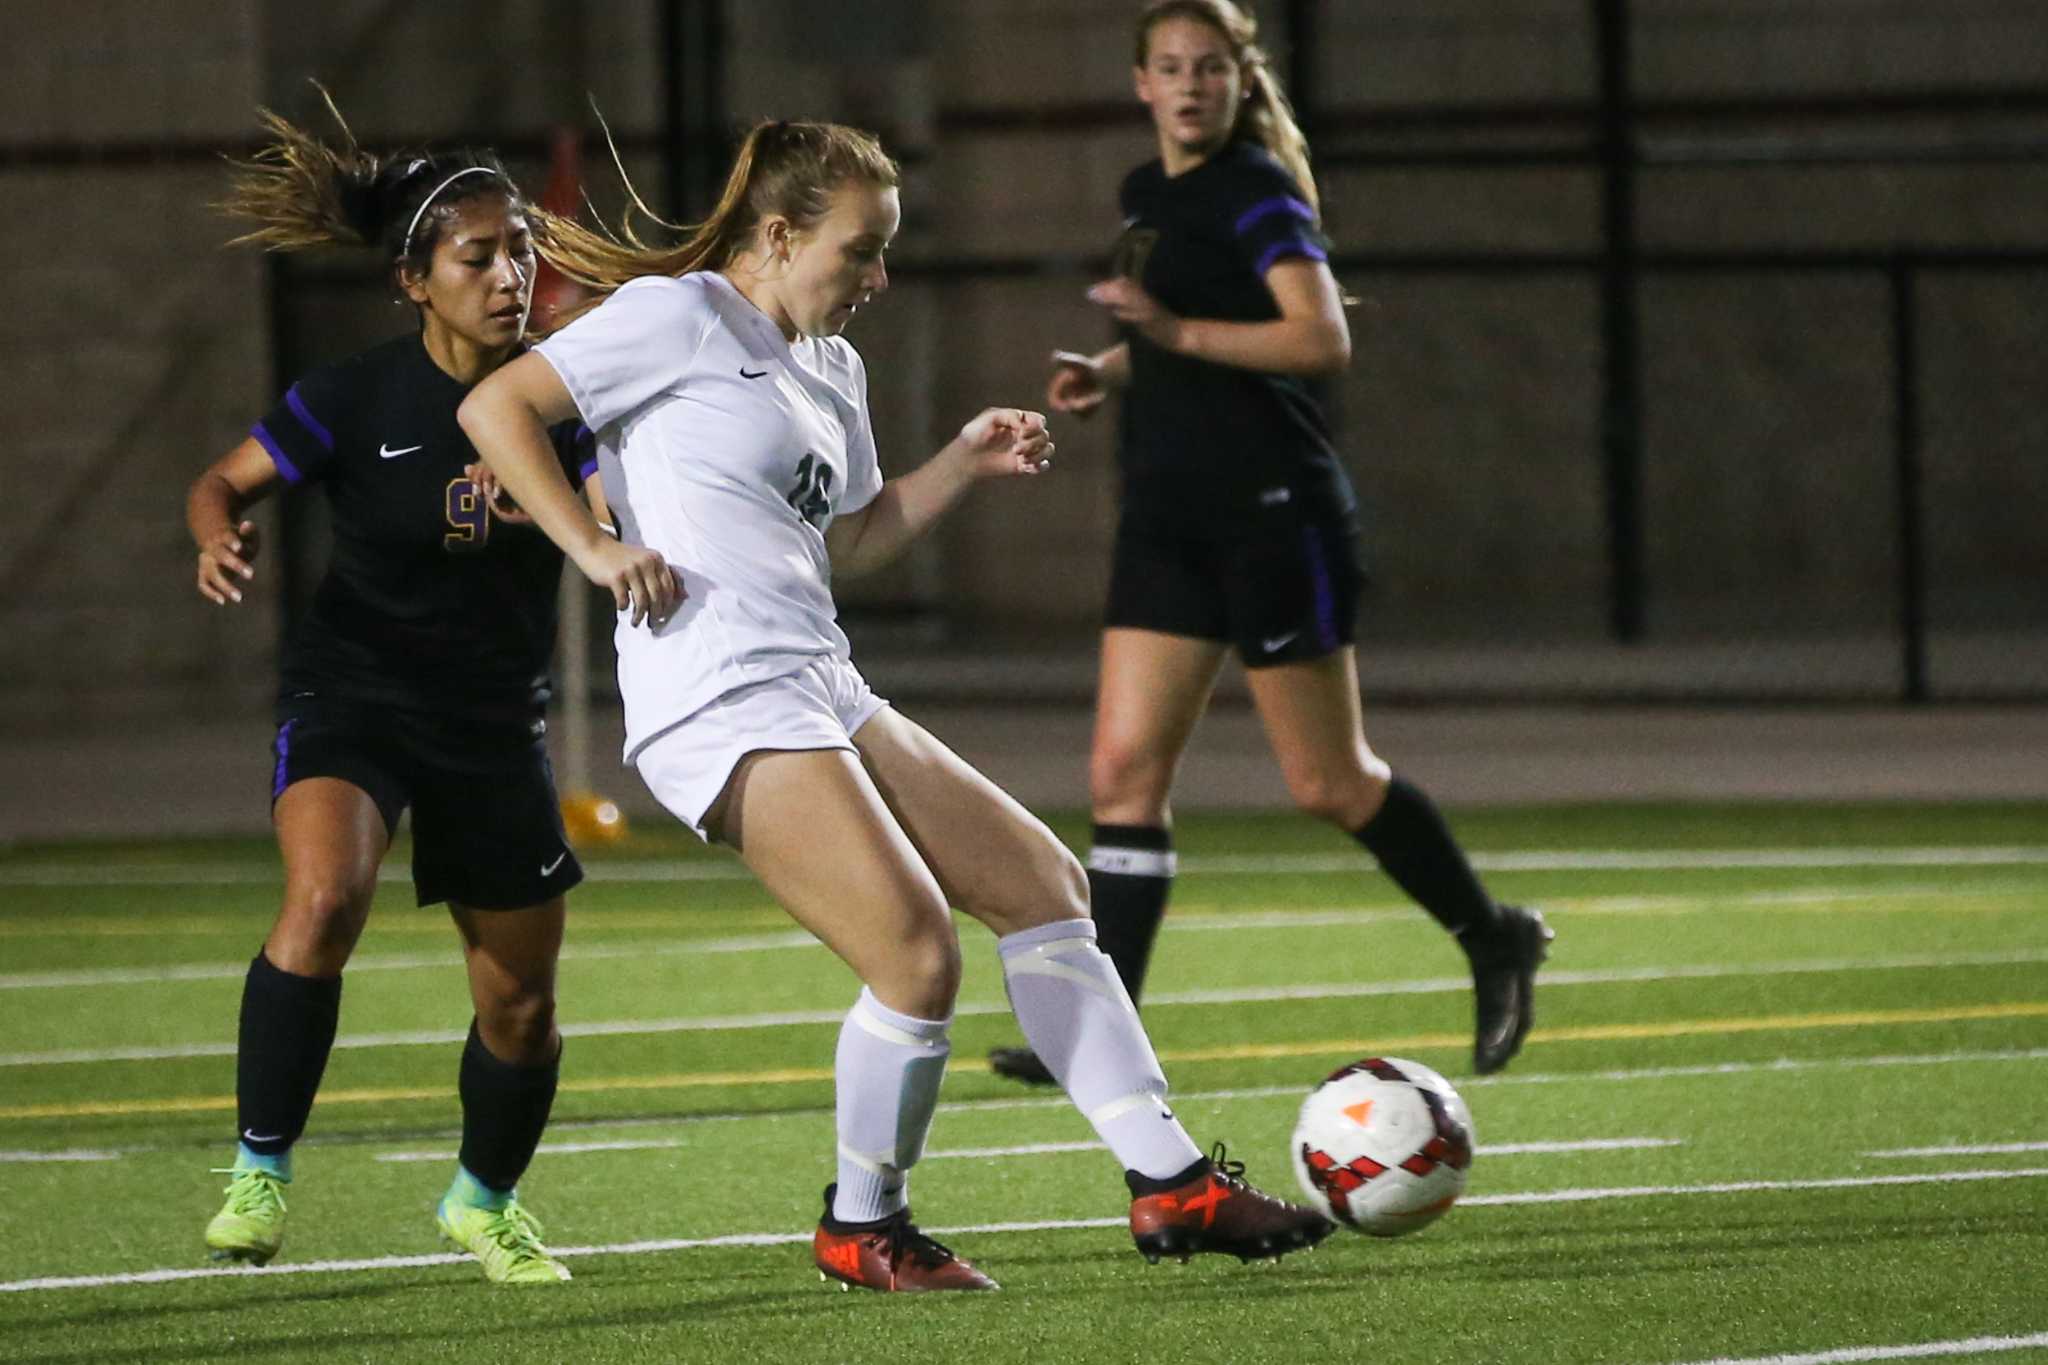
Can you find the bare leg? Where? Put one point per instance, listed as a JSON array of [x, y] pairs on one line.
[[1314, 722], [1151, 692]]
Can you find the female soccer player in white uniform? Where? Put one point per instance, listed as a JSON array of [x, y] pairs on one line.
[[734, 440]]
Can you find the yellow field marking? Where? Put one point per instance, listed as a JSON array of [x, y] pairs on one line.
[[1236, 1052]]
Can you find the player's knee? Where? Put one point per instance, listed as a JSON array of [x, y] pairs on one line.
[[1127, 778], [1342, 798], [321, 920], [1050, 886], [519, 1025], [922, 976]]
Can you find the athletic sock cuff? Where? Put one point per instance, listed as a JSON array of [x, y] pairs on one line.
[[1156, 837], [481, 1056], [896, 1027], [266, 975], [1133, 851], [1025, 940]]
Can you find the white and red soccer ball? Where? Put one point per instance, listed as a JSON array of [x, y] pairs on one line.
[[1383, 1145]]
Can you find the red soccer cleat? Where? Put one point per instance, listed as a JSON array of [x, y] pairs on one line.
[[889, 1254], [1215, 1210]]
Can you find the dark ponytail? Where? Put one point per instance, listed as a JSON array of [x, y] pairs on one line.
[[303, 192]]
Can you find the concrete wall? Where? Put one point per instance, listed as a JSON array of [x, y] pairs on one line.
[[139, 350]]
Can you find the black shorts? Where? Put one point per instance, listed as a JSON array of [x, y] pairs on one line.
[[486, 824], [1284, 591]]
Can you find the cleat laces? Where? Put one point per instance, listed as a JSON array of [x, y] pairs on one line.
[[251, 1191], [906, 1242], [516, 1232]]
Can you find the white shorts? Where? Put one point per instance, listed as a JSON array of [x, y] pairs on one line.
[[820, 706]]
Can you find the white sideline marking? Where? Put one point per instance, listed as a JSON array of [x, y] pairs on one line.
[[659, 870], [1187, 923], [222, 971], [1235, 996], [1264, 1092], [1030, 1148], [762, 1239], [1961, 1346], [1847, 1182], [1979, 1149], [75, 1154]]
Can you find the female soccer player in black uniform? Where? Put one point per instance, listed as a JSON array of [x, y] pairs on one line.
[[1238, 527], [417, 678]]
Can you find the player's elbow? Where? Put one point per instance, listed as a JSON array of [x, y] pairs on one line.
[[1331, 352], [474, 416]]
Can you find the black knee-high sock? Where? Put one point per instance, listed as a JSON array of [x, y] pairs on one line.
[[504, 1109], [1130, 875], [1416, 849], [287, 1030]]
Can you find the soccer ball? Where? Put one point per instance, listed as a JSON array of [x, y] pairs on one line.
[[1383, 1145]]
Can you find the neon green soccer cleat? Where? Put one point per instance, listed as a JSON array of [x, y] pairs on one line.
[[250, 1226], [507, 1242]]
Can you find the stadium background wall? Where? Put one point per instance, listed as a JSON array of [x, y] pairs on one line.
[[1802, 185]]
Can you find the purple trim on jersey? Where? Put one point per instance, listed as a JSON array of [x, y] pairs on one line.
[[589, 466], [1319, 579], [283, 746], [277, 456], [305, 414], [1293, 246], [1266, 208]]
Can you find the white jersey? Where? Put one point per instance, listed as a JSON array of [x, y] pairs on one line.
[[729, 450]]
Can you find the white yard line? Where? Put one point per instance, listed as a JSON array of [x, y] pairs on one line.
[[789, 939], [1030, 1148], [1242, 995], [986, 1229], [1849, 1355], [1979, 1149], [657, 870], [74, 1154], [1780, 1065]]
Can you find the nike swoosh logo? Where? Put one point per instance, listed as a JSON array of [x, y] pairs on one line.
[[550, 867], [387, 453], [1278, 641], [745, 373], [248, 1136]]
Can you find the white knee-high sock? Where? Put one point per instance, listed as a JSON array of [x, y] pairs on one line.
[[887, 1072], [1080, 1021]]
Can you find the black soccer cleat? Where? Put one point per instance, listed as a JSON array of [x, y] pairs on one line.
[[1504, 964], [1215, 1210], [1019, 1064]]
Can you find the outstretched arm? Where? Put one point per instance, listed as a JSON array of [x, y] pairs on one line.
[[997, 443], [507, 418], [1310, 337], [227, 543]]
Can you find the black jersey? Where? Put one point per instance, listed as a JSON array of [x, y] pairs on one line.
[[429, 603], [1205, 446]]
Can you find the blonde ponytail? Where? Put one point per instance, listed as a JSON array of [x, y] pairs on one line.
[[789, 169]]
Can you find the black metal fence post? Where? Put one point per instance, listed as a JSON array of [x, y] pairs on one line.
[[1621, 422], [1906, 455]]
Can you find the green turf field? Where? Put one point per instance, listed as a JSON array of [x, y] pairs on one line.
[[1787, 1096]]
